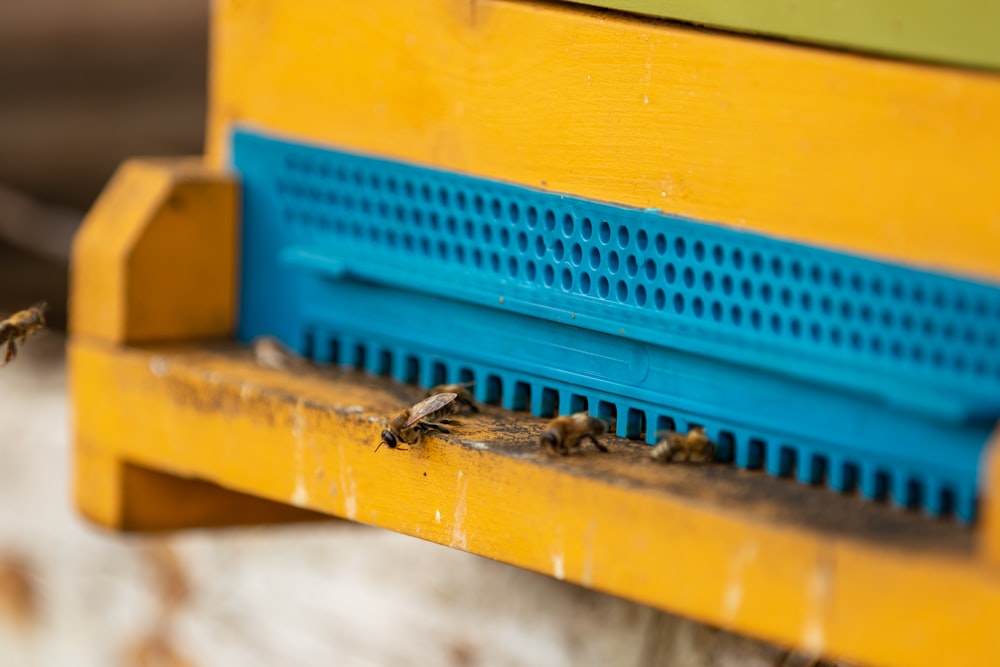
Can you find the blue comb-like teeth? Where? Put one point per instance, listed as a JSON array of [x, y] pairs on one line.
[[833, 368]]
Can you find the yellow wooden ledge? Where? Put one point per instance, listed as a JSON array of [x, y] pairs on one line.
[[887, 159], [799, 566], [155, 258], [159, 501]]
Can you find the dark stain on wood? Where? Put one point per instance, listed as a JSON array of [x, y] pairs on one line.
[[19, 599]]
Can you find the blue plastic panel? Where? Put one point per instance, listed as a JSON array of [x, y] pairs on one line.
[[837, 368]]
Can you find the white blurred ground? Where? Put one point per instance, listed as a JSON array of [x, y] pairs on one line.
[[338, 594]]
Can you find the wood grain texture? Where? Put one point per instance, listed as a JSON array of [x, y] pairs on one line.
[[961, 32], [738, 550], [884, 159]]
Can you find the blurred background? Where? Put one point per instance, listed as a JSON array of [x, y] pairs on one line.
[[84, 85]]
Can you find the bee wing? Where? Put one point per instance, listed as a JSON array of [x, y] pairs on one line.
[[427, 406]]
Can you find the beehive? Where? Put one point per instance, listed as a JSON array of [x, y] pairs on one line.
[[577, 208]]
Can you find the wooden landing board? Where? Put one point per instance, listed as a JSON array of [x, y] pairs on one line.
[[767, 557], [961, 32], [886, 159]]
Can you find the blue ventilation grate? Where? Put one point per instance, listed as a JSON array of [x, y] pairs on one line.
[[835, 367]]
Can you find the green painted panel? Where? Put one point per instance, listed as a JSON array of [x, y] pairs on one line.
[[963, 32]]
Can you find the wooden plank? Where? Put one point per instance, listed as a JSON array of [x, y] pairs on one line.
[[962, 32], [886, 159], [336, 593], [159, 501], [155, 259], [765, 557]]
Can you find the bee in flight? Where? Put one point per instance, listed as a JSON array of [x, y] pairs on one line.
[[567, 433], [691, 447], [19, 326], [407, 426], [464, 401], [269, 352]]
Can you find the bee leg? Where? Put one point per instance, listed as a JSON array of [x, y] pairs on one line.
[[11, 351], [598, 443], [453, 422], [436, 426], [555, 449]]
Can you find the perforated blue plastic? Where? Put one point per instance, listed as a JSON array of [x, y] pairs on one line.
[[837, 368]]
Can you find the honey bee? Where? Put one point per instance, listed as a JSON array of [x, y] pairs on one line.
[[692, 447], [464, 401], [19, 326], [567, 433], [407, 426], [269, 352]]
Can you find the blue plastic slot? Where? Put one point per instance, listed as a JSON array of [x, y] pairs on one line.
[[839, 369]]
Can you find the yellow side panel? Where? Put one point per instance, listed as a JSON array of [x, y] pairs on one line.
[[156, 257], [887, 159]]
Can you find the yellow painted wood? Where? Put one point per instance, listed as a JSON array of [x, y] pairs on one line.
[[117, 495], [799, 566], [97, 480], [155, 258], [886, 159]]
